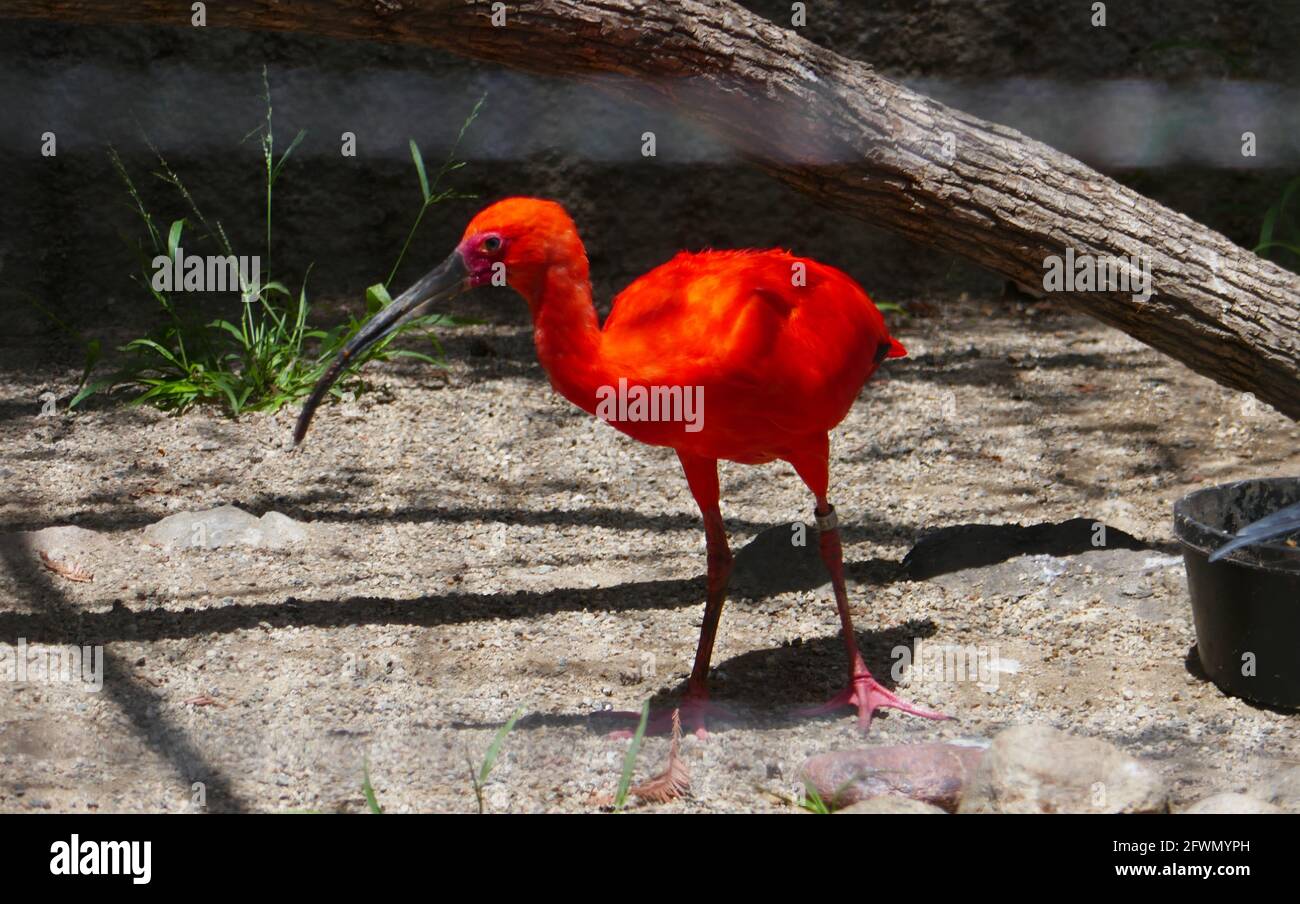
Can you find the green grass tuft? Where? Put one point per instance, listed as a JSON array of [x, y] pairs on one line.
[[812, 801], [1280, 230], [269, 355]]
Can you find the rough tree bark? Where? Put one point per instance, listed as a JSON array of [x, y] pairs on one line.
[[835, 129]]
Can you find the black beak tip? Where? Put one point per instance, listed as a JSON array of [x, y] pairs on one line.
[[300, 429]]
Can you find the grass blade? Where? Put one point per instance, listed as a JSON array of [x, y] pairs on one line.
[[174, 237], [89, 390], [494, 750], [629, 760], [377, 298], [297, 140], [419, 171], [367, 789]]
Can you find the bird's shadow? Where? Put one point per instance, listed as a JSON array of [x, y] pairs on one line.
[[768, 688]]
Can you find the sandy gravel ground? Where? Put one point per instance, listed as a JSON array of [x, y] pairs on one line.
[[479, 545]]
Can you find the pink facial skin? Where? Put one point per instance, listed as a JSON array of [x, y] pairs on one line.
[[479, 254]]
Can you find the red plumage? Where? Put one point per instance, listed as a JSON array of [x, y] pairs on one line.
[[780, 346], [775, 347]]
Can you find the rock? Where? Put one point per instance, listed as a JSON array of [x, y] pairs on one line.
[[891, 803], [933, 773], [1037, 769], [1232, 803], [1283, 789], [64, 541], [73, 552], [279, 530], [225, 526]]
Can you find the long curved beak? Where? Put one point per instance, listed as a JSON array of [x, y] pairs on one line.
[[444, 282]]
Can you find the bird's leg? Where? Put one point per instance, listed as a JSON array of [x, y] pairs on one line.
[[863, 692], [719, 573], [702, 475]]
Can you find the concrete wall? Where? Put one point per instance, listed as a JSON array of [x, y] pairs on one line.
[[1199, 69]]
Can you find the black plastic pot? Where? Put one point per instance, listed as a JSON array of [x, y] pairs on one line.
[[1247, 605]]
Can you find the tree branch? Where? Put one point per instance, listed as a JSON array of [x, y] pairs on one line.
[[859, 143]]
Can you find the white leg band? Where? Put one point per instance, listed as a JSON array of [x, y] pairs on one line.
[[827, 521]]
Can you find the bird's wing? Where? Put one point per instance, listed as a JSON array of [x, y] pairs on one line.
[[1278, 524], [740, 312], [764, 345]]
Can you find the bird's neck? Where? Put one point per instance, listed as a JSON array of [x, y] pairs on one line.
[[567, 333]]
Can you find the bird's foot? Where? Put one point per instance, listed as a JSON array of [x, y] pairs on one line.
[[867, 694], [696, 710]]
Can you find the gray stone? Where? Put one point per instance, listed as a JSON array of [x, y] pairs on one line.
[[891, 803], [225, 526], [279, 530], [65, 546], [1037, 769], [64, 539], [1233, 803], [1283, 789], [933, 773]]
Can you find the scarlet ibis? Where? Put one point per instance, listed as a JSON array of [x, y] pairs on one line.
[[776, 348]]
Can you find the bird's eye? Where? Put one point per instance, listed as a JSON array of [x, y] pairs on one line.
[[492, 243]]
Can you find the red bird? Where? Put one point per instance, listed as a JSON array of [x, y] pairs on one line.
[[749, 356]]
